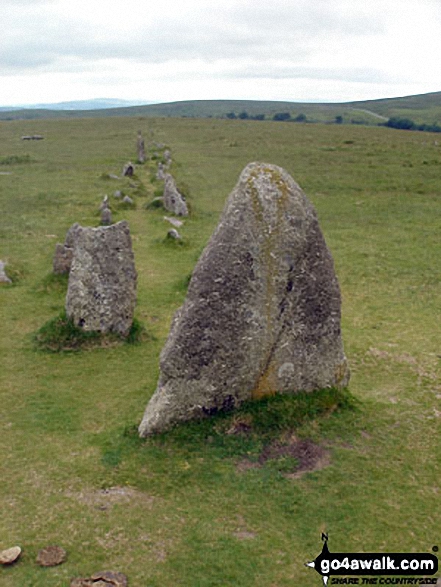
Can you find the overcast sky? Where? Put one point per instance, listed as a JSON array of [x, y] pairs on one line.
[[167, 50]]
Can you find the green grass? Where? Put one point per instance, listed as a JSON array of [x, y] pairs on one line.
[[179, 509]]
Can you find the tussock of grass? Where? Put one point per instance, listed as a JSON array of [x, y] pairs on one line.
[[15, 159], [16, 272], [60, 334], [156, 203], [54, 282], [256, 423]]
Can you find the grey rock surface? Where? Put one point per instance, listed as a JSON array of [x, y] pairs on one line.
[[174, 234], [262, 312], [101, 293], [64, 252], [3, 277], [173, 200]]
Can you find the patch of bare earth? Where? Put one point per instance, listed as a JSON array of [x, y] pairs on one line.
[[105, 498], [308, 455]]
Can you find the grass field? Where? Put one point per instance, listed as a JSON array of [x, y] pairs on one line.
[[198, 507]]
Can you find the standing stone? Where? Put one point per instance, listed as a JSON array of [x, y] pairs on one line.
[[3, 277], [128, 200], [105, 203], [160, 175], [173, 200], [174, 235], [128, 170], [101, 293], [64, 252], [106, 217], [262, 313], [140, 148]]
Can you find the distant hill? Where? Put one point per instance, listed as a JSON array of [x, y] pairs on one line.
[[425, 108], [96, 104]]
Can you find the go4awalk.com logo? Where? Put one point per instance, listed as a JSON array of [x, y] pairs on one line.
[[382, 569]]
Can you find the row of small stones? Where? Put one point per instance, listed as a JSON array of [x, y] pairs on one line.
[[51, 556], [106, 215]]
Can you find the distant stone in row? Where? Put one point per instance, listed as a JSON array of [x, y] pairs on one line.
[[173, 200], [140, 148]]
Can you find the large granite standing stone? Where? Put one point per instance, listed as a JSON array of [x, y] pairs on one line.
[[172, 199], [101, 293], [262, 313]]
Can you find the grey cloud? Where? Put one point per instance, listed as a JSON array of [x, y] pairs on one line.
[[246, 30]]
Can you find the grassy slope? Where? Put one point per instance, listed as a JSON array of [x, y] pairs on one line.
[[189, 517], [424, 108]]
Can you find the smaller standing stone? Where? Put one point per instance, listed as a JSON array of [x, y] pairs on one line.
[[105, 203], [160, 175], [3, 277], [9, 556], [64, 253], [51, 556], [106, 217], [128, 170], [128, 200], [62, 259], [140, 148], [173, 199], [173, 234], [118, 194], [101, 293]]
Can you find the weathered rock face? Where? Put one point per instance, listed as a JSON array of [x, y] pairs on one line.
[[102, 281], [64, 252], [172, 199], [262, 313]]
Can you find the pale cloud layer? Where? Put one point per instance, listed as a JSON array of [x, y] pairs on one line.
[[322, 50]]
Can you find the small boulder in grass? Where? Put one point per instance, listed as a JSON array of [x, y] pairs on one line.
[[173, 234], [111, 577], [3, 277], [10, 555], [51, 556], [101, 579]]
